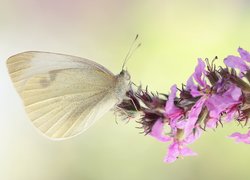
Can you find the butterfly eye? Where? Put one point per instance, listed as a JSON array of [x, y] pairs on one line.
[[125, 74]]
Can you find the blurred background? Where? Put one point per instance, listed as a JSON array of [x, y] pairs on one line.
[[173, 35]]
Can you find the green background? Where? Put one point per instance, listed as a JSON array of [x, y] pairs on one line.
[[173, 35]]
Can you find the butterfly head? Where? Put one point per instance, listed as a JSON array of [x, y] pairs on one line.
[[125, 75]]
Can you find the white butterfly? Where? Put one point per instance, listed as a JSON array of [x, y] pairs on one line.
[[64, 95]]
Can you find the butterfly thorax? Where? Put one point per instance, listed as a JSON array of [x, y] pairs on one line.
[[122, 84]]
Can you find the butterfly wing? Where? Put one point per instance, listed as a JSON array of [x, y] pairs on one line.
[[63, 95]]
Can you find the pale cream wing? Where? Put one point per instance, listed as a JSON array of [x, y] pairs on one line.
[[64, 102], [25, 65]]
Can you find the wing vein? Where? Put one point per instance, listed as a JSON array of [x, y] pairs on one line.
[[55, 97]]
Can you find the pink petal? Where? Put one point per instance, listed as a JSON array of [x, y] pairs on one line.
[[236, 62], [190, 83], [199, 71], [193, 136], [198, 76], [245, 138], [212, 123], [173, 153], [171, 110], [157, 131], [193, 116], [177, 149], [225, 102], [244, 54], [187, 152], [192, 87]]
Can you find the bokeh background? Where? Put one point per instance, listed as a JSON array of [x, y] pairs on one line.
[[173, 35]]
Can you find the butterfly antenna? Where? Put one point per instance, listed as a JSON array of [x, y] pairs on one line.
[[131, 51]]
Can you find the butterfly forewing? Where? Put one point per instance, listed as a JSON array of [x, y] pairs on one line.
[[63, 95]]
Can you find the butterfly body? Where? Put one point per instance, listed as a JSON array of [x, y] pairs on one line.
[[122, 85]]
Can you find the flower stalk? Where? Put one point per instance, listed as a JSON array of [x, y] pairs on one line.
[[211, 96]]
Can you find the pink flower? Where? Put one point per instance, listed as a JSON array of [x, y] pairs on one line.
[[178, 149], [224, 98], [197, 131], [245, 138], [223, 102], [244, 54], [199, 74], [171, 111], [193, 116], [239, 62], [158, 131], [199, 77]]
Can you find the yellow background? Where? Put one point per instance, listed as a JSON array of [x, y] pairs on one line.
[[173, 35]]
